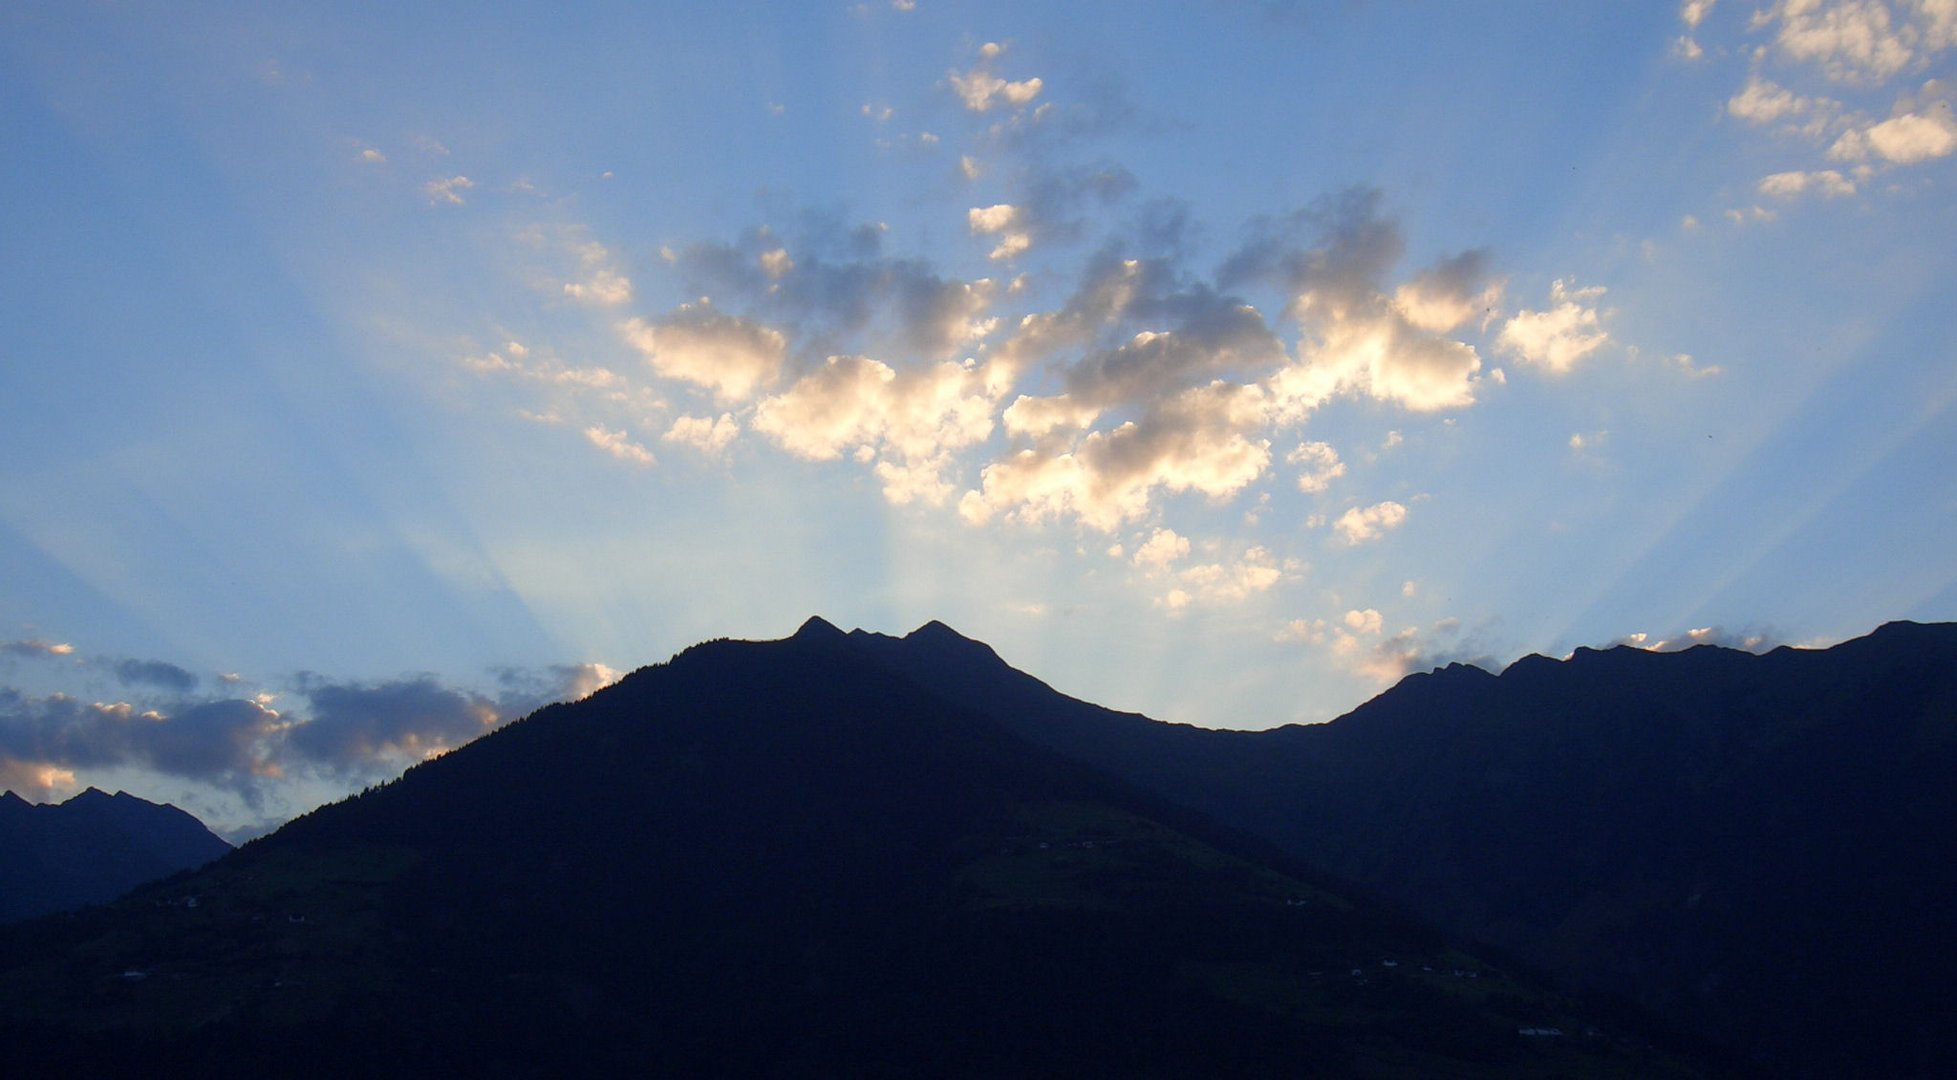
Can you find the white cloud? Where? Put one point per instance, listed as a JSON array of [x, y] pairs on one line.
[[1450, 294], [618, 445], [373, 156], [775, 262], [602, 285], [1694, 12], [1007, 222], [1359, 525], [1203, 440], [727, 354], [1557, 338], [980, 89], [908, 422], [447, 190], [1160, 549], [1256, 571], [1824, 182], [1907, 139], [1850, 40], [1367, 621], [1762, 102], [1319, 466], [706, 434], [1036, 416], [1356, 338]]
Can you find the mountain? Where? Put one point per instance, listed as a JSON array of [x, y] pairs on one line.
[[774, 858], [91, 849], [1759, 848]]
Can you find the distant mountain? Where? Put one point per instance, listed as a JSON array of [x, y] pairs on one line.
[[91, 849], [1762, 849], [774, 858]]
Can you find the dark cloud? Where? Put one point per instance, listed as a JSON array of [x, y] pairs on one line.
[[217, 741], [154, 673], [358, 725], [1338, 250], [835, 292]]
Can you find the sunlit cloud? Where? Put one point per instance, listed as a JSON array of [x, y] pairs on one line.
[[1360, 525], [1556, 338], [619, 445]]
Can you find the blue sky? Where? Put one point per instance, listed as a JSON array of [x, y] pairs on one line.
[[368, 378]]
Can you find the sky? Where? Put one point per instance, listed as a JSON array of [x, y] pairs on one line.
[[370, 377]]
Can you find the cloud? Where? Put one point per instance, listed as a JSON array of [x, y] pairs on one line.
[[602, 285], [1362, 524], [357, 725], [1850, 40], [155, 673], [1557, 338], [1789, 185], [618, 445], [1218, 583], [729, 355], [1756, 641], [1202, 439], [1694, 12], [839, 293], [1037, 416], [980, 89], [705, 434], [1367, 621], [1362, 646], [1448, 295], [35, 647], [1906, 139], [1763, 102], [1004, 221], [222, 741], [911, 420], [447, 190], [1162, 548], [1332, 261], [1319, 466]]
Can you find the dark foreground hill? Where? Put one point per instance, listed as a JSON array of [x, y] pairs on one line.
[[776, 858], [1762, 849], [91, 849]]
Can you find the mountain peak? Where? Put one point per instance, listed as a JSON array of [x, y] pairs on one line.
[[817, 628], [935, 630]]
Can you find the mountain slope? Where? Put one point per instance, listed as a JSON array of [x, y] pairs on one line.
[[1760, 848], [773, 858], [91, 849]]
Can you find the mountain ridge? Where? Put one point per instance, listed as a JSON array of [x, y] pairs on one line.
[[1616, 817], [777, 857], [91, 849]]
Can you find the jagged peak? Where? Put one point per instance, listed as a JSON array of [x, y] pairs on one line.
[[936, 629], [817, 628]]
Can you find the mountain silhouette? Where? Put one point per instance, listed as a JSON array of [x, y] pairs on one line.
[[91, 849], [776, 858], [1760, 848]]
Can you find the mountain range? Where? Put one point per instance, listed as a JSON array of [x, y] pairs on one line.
[[779, 858], [851, 852], [91, 849], [1759, 848]]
